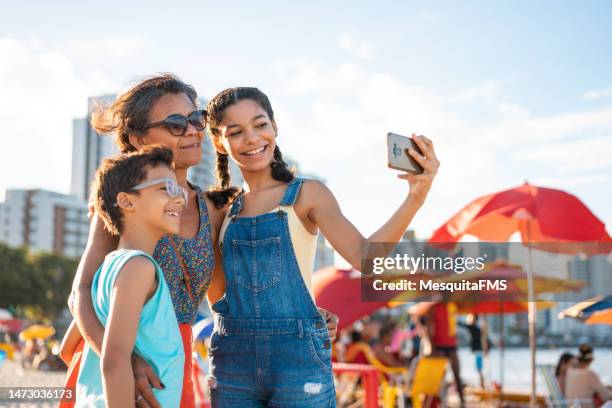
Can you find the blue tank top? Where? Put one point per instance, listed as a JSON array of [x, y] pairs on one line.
[[158, 339]]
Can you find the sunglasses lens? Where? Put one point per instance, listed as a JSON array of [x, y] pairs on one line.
[[174, 190], [177, 125], [198, 120]]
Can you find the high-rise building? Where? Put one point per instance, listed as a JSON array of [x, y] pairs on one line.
[[89, 148], [44, 220]]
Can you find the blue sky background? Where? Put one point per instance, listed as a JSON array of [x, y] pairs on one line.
[[508, 91]]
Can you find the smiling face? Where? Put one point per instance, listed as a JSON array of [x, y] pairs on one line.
[[152, 206], [187, 149], [247, 134]]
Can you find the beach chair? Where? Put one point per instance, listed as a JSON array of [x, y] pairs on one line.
[[555, 398], [391, 378], [428, 378]]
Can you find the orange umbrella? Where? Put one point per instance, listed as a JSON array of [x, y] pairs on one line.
[[603, 317]]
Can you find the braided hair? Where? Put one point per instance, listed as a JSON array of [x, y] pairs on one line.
[[223, 193]]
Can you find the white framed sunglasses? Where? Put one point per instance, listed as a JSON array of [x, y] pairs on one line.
[[172, 187]]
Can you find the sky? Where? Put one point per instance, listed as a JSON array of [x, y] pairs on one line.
[[508, 91]]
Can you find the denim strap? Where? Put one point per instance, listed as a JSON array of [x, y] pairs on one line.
[[236, 206], [293, 189]]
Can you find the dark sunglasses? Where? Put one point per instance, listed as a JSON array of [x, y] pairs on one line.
[[177, 124]]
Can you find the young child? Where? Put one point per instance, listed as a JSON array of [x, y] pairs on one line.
[[270, 346], [139, 200]]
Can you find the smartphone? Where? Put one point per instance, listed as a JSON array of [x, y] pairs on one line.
[[397, 156]]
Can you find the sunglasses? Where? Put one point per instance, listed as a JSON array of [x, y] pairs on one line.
[[172, 188], [177, 124]]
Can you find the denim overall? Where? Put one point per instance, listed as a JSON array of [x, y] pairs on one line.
[[270, 346]]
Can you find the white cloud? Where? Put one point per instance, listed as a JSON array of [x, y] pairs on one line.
[[357, 49], [124, 45], [598, 94], [40, 94], [570, 156], [566, 182], [512, 111], [487, 91]]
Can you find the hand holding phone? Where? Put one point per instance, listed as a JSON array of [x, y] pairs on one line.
[[398, 156]]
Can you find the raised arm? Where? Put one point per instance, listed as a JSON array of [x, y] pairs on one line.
[[342, 234], [99, 244], [135, 283]]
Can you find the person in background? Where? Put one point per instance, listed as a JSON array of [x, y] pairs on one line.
[[382, 349], [477, 336], [582, 383], [354, 353], [566, 361], [442, 332]]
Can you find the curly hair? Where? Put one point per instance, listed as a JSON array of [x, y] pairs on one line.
[[121, 173]]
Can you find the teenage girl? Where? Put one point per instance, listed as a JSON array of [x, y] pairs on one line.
[[270, 346]]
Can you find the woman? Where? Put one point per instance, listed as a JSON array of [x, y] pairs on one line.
[[583, 384], [566, 361], [161, 110], [269, 346]]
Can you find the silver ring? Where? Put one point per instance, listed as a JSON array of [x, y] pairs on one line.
[[139, 398]]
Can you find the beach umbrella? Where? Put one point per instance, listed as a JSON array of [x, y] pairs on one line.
[[601, 317], [500, 307], [340, 292], [517, 281], [583, 310], [37, 331], [546, 218]]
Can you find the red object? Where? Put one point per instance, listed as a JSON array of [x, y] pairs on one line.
[[72, 374], [187, 397], [369, 380], [198, 376], [13, 325], [543, 216], [339, 291], [444, 335]]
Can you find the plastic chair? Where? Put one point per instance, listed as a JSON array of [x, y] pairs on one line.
[[428, 378], [392, 391]]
